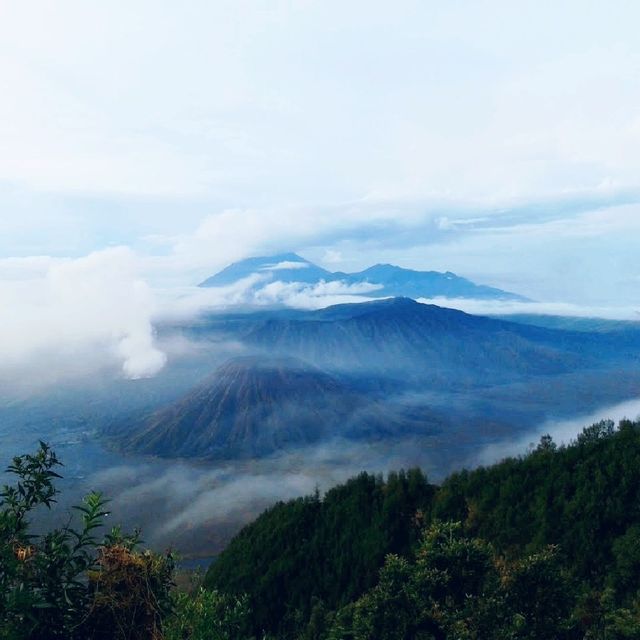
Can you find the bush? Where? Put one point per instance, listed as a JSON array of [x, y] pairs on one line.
[[130, 594], [67, 583], [208, 615]]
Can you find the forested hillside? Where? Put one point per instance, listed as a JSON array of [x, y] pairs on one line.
[[546, 546], [541, 547], [330, 548]]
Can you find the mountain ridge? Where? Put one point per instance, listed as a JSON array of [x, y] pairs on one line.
[[379, 280], [376, 369]]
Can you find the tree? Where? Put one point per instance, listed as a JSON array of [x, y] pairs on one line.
[[208, 615], [66, 583], [537, 592], [625, 576], [458, 587], [451, 590]]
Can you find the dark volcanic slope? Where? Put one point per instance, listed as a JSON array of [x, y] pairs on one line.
[[253, 407], [386, 368], [402, 337]]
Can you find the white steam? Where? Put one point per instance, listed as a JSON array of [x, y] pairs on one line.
[[72, 316]]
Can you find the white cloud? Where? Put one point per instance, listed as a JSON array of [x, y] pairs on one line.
[[562, 432], [285, 265], [332, 257], [187, 302], [313, 296], [233, 234], [447, 224], [308, 102], [255, 290], [509, 307], [185, 503], [356, 133], [63, 317]]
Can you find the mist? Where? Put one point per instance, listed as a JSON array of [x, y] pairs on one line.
[[84, 320], [68, 318], [196, 507], [555, 308], [563, 431]]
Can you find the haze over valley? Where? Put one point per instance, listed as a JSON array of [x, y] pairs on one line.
[[260, 400], [319, 320]]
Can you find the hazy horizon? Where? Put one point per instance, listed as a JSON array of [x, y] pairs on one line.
[[145, 146]]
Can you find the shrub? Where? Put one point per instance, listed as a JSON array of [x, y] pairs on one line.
[[208, 615], [67, 583]]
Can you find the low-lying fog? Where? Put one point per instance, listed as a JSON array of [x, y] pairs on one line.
[[195, 508], [562, 431]]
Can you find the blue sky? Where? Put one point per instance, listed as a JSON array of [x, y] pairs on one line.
[[500, 140]]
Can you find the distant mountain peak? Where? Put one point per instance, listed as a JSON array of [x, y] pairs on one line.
[[284, 257], [287, 267], [394, 281]]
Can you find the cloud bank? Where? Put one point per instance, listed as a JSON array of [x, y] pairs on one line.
[[258, 291], [562, 432], [64, 317], [369, 131], [196, 508], [509, 307]]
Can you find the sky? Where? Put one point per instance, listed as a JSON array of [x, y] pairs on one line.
[[146, 144]]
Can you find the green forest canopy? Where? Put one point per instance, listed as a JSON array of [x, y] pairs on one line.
[[544, 546], [578, 504]]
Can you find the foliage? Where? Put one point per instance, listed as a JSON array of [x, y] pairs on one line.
[[208, 615], [130, 593], [458, 588], [581, 497], [329, 550], [546, 545], [66, 583]]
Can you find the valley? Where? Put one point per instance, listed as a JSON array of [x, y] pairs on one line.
[[319, 321], [270, 404]]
